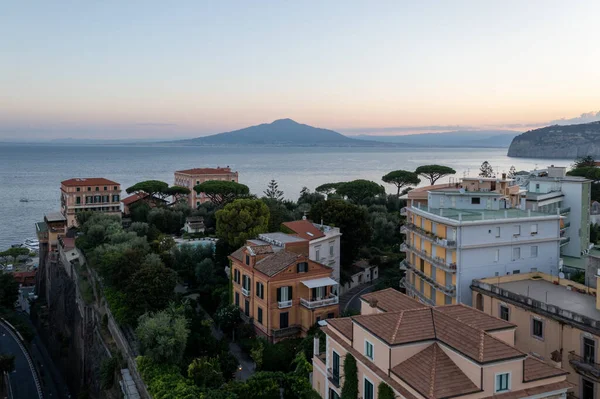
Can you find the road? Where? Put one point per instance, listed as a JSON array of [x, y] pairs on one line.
[[22, 380], [351, 299]]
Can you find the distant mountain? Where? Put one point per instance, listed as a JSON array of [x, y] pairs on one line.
[[568, 142], [280, 132], [478, 138]]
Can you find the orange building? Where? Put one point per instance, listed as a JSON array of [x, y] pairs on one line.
[[190, 178], [279, 289], [89, 194]]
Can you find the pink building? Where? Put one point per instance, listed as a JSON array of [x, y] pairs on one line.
[[89, 194], [192, 177], [428, 352]]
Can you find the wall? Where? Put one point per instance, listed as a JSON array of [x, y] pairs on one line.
[[577, 196]]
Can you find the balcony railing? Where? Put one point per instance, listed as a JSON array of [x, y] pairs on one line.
[[428, 235], [435, 260], [584, 365], [334, 378], [245, 291], [286, 332], [564, 211], [317, 303], [284, 304], [449, 289], [564, 240], [410, 290], [565, 225]]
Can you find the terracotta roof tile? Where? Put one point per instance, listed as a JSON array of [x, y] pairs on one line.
[[133, 198], [399, 327], [474, 318], [536, 369], [304, 229], [343, 325], [238, 254], [206, 171], [88, 181], [434, 375], [273, 264], [533, 391], [391, 300]]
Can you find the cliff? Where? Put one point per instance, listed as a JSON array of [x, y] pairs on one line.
[[569, 142]]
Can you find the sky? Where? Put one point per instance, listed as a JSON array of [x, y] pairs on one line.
[[154, 69]]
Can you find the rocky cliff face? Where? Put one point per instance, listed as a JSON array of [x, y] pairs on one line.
[[567, 142]]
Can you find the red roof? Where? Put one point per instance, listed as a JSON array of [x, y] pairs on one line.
[[24, 277], [304, 229], [206, 171], [88, 181], [133, 198]]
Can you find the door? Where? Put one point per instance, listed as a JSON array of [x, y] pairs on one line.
[[284, 320]]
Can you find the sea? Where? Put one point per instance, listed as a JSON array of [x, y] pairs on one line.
[[34, 172]]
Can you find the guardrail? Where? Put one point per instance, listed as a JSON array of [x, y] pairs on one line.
[[565, 210], [447, 288], [319, 302], [286, 331], [436, 260], [284, 304], [245, 292], [412, 291], [428, 235]]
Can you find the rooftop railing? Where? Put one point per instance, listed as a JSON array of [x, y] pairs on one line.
[[584, 364]]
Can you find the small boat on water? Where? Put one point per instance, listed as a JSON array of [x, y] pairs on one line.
[[32, 244], [23, 200]]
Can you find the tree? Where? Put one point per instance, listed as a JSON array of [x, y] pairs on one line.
[[242, 220], [350, 388], [152, 188], [228, 317], [9, 290], [401, 178], [384, 391], [328, 188], [177, 192], [486, 170], [302, 366], [273, 191], [434, 172], [206, 372], [222, 192], [582, 162], [151, 287], [278, 213], [14, 253], [357, 190], [163, 335], [512, 172]]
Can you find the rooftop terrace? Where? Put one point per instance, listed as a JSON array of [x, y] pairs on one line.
[[471, 215]]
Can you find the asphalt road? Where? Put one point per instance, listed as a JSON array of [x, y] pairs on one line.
[[21, 379]]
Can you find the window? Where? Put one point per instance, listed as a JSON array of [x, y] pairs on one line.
[[534, 251], [284, 320], [422, 287], [516, 253], [78, 200], [97, 188], [517, 230], [475, 200], [78, 189], [284, 294], [330, 315], [89, 189], [246, 282], [260, 290], [422, 265], [247, 307], [115, 188], [105, 188], [333, 394], [516, 271], [368, 391], [318, 254], [504, 312], [587, 389], [534, 229], [336, 369], [368, 349], [537, 328], [237, 299], [302, 267], [248, 260], [497, 231], [447, 300], [331, 250], [502, 382], [497, 255], [589, 350]]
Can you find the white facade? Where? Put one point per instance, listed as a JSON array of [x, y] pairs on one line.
[[326, 250]]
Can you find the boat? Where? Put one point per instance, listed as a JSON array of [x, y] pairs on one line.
[[23, 200], [32, 244]]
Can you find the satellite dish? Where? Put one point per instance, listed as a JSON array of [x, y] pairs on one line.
[[561, 275]]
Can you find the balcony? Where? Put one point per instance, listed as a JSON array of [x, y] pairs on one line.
[[284, 304], [449, 289], [403, 212], [564, 240], [428, 235], [410, 290], [434, 260], [566, 225], [564, 211], [245, 292], [318, 303], [584, 366], [334, 378], [286, 332]]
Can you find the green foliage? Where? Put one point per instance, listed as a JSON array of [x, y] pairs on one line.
[[352, 221], [302, 366], [222, 192], [384, 391], [9, 290], [308, 198], [267, 385], [154, 188], [108, 368], [594, 233], [164, 381], [242, 220], [167, 220], [357, 190], [583, 162], [486, 170], [278, 214], [350, 387], [401, 179], [257, 354], [227, 318], [512, 172], [206, 372], [273, 192], [117, 302], [434, 172], [163, 335], [152, 286], [589, 172], [14, 253], [328, 188], [578, 277], [139, 228]]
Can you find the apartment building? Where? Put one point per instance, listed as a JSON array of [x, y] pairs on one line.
[[474, 232], [558, 321], [324, 242], [190, 178], [429, 352], [49, 231], [89, 194], [279, 289]]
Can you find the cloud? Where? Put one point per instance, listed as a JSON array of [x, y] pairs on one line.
[[406, 129], [586, 117], [154, 124]]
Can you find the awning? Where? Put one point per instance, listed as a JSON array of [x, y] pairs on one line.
[[320, 282]]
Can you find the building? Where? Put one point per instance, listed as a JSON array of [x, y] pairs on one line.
[[134, 199], [362, 273], [194, 224], [89, 194], [279, 289], [324, 242], [558, 321], [50, 230], [595, 212], [190, 178], [473, 232], [430, 352]]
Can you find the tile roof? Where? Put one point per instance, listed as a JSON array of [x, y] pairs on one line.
[[474, 318], [206, 171], [524, 393], [88, 181], [343, 325], [133, 198], [434, 375], [304, 229], [238, 254], [391, 300], [400, 327], [536, 369], [273, 264]]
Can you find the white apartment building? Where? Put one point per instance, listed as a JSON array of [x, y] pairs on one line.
[[463, 235]]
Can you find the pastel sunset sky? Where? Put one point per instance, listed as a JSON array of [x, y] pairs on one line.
[[149, 69]]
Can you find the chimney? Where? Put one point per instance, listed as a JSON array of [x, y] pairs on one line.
[[503, 176], [373, 303]]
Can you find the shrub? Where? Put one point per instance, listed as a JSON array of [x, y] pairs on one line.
[[350, 388]]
